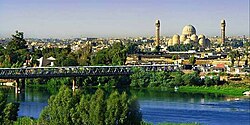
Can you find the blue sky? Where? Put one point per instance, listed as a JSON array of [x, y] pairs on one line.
[[120, 18]]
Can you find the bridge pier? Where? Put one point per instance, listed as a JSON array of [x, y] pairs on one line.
[[20, 86], [74, 84], [16, 86]]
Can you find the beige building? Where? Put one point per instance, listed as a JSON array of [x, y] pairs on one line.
[[189, 36]]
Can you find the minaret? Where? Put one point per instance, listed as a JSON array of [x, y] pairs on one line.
[[157, 33], [223, 31]]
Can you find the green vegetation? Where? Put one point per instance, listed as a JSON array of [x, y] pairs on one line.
[[186, 82], [192, 60], [8, 111], [143, 79], [81, 108], [114, 55], [229, 90], [15, 53], [25, 121]]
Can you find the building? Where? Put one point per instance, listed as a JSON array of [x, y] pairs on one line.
[[189, 36]]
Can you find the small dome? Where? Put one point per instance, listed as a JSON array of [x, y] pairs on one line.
[[194, 38], [187, 41], [182, 39], [170, 42], [201, 36], [207, 42], [176, 39], [188, 30], [202, 42]]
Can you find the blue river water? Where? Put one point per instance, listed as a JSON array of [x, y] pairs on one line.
[[160, 106]]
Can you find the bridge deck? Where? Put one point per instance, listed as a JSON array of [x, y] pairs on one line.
[[78, 71]]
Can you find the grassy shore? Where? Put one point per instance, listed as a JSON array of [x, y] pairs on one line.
[[228, 90]]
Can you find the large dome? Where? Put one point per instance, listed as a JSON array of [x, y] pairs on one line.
[[188, 30]]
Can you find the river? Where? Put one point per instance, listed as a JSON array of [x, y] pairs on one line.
[[160, 106]]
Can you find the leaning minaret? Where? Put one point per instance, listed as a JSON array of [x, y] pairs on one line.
[[223, 31], [157, 33]]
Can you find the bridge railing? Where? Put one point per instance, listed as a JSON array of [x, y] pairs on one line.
[[71, 71]]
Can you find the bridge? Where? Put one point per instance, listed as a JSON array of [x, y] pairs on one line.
[[76, 71]]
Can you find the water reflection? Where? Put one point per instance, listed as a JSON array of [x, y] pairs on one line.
[[32, 100]]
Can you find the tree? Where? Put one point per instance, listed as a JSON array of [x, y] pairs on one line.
[[82, 109], [97, 109], [17, 42], [15, 53], [132, 48], [139, 78], [192, 60], [115, 55], [208, 81], [84, 55], [113, 109], [232, 56], [178, 81], [174, 57], [58, 109], [8, 111], [191, 79]]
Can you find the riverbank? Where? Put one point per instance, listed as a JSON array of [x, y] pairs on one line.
[[231, 90], [227, 90]]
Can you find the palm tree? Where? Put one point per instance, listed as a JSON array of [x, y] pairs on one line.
[[232, 56], [238, 54]]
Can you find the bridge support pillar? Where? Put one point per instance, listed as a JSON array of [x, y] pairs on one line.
[[74, 84], [22, 86], [19, 86]]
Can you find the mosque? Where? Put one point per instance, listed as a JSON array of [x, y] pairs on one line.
[[189, 37]]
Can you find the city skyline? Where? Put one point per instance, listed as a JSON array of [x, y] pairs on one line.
[[123, 18]]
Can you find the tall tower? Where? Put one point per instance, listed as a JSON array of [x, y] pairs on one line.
[[157, 33], [223, 31]]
